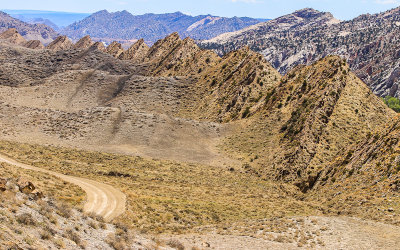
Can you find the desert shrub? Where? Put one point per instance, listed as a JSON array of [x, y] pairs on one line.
[[116, 242], [246, 112], [26, 219], [70, 234], [64, 211], [95, 216], [45, 235], [49, 229], [176, 244], [59, 243], [393, 103], [93, 224]]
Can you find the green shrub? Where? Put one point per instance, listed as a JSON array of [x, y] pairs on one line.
[[393, 103]]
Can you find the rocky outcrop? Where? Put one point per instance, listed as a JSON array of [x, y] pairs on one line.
[[173, 56], [3, 183], [370, 44], [98, 46], [25, 186], [84, 43], [12, 36], [234, 88], [34, 44], [60, 43], [312, 114], [136, 53], [115, 49]]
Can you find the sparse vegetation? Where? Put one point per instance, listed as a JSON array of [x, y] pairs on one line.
[[393, 103], [180, 197]]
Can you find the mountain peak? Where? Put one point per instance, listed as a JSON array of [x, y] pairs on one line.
[[308, 13], [173, 36], [101, 12], [123, 13], [123, 26]]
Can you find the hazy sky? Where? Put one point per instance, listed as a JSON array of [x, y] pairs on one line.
[[342, 9]]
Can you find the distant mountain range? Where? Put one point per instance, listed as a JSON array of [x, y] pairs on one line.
[[37, 31], [370, 43], [152, 27], [54, 19]]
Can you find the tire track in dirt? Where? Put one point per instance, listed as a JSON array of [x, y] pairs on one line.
[[102, 199]]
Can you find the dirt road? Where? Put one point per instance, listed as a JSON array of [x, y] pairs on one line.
[[102, 199]]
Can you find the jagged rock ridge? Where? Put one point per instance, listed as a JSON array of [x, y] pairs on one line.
[[370, 43]]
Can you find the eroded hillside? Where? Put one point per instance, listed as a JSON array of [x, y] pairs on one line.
[[233, 126]]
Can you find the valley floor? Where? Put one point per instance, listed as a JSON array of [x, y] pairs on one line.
[[314, 232], [224, 211]]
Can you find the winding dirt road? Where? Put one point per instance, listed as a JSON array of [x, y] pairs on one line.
[[102, 199]]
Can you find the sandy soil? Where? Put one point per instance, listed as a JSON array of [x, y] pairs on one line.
[[320, 233]]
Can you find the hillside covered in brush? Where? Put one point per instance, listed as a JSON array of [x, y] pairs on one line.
[[227, 143], [370, 44]]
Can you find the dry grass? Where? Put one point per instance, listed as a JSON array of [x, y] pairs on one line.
[[51, 186], [165, 196]]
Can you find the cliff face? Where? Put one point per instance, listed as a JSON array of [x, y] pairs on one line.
[[370, 44]]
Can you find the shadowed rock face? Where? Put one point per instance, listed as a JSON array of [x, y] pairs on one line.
[[34, 44], [60, 43]]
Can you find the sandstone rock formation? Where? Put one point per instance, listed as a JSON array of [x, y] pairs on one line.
[[137, 52], [60, 43], [99, 46], [12, 36], [115, 49], [34, 44], [84, 43]]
